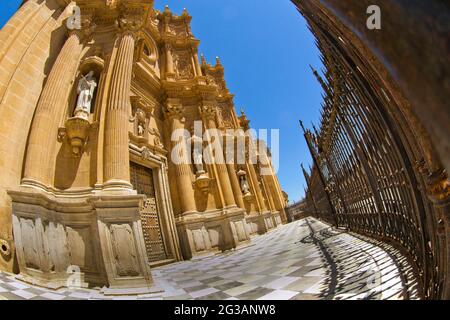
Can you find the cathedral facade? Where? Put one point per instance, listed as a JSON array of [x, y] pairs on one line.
[[90, 96]]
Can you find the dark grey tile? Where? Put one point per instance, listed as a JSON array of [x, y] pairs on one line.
[[196, 288], [211, 280], [10, 296], [254, 294], [229, 285], [305, 296], [215, 296]]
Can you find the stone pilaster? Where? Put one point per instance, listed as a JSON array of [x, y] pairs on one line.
[[49, 111], [173, 113], [208, 114], [116, 154]]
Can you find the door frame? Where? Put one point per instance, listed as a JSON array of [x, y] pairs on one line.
[[159, 165]]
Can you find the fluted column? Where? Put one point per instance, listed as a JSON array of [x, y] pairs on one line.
[[197, 64], [173, 114], [116, 154], [237, 191], [268, 192], [209, 117], [256, 184], [9, 33], [49, 111], [273, 186]]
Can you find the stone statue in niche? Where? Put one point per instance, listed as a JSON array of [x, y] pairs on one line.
[[197, 153], [85, 91], [141, 130], [140, 117], [245, 187]]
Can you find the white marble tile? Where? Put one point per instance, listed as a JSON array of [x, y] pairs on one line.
[[240, 290], [18, 285], [279, 295], [24, 294], [281, 282], [52, 296]]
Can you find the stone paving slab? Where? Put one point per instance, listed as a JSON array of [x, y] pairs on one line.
[[304, 260]]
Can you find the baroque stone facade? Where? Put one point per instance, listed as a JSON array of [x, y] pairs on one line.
[[86, 173]]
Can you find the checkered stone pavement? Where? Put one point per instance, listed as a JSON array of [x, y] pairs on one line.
[[304, 260]]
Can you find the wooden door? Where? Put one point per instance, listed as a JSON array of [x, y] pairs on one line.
[[142, 181]]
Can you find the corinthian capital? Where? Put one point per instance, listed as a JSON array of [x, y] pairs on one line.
[[85, 30], [173, 110], [129, 24], [208, 112]]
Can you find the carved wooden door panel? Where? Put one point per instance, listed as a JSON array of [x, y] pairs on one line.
[[142, 180]]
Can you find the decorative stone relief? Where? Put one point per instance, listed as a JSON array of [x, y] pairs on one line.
[[79, 241], [183, 65], [156, 137], [124, 250], [198, 240], [146, 154], [30, 243], [215, 235], [210, 80], [224, 117], [240, 230]]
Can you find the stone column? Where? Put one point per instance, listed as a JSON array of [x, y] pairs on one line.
[[253, 175], [174, 114], [116, 153], [273, 187], [197, 64], [209, 117], [49, 111], [9, 33], [233, 175], [269, 193]]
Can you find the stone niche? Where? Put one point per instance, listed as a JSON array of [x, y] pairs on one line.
[[99, 236]]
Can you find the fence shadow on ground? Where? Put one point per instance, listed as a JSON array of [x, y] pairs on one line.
[[360, 268]]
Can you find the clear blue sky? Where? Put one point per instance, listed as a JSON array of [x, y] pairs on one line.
[[265, 48]]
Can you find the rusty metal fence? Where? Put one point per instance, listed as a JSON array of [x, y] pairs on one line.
[[363, 178]]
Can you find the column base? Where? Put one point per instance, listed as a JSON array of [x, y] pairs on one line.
[[119, 187], [203, 234], [261, 223], [70, 241]]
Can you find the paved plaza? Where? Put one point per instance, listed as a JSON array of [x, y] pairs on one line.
[[304, 260]]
